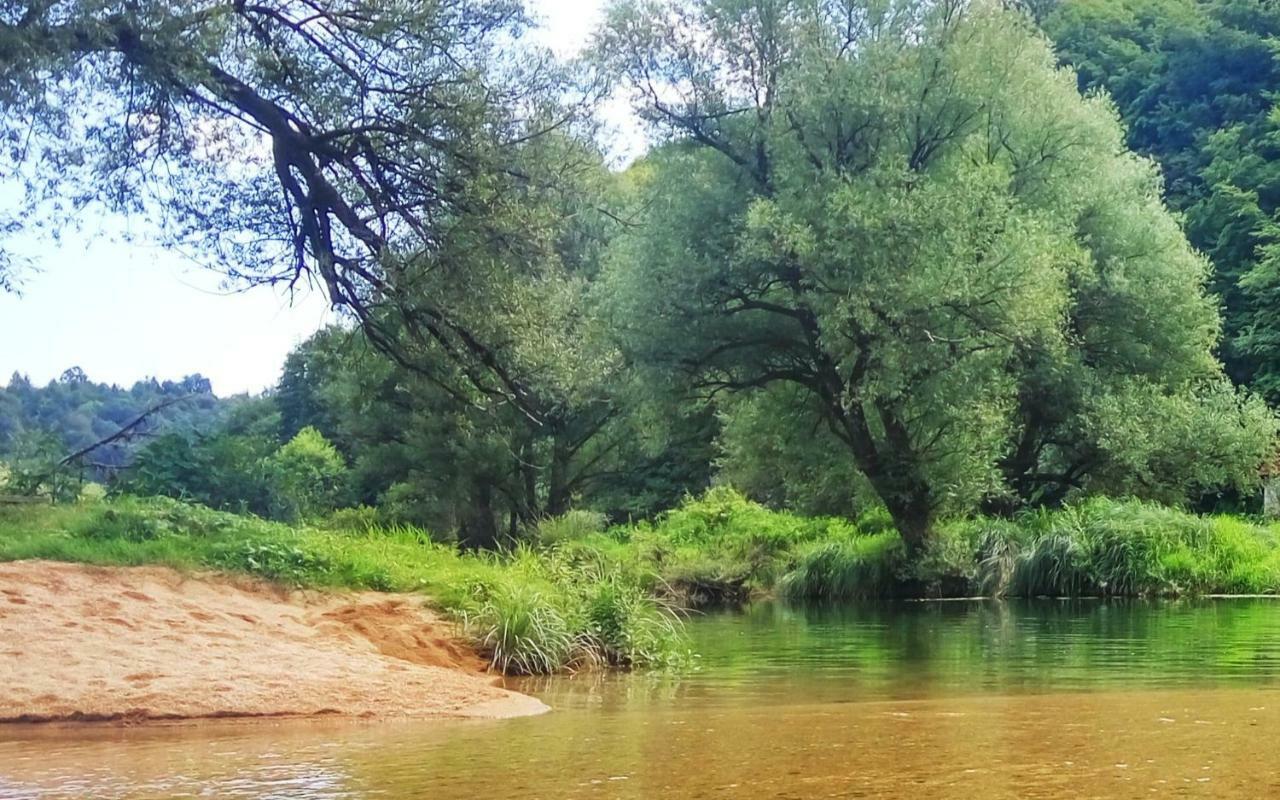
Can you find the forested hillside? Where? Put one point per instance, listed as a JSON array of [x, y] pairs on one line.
[[74, 412], [1195, 82]]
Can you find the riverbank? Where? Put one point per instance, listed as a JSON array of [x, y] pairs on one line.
[[132, 644], [724, 547], [526, 610], [576, 593]]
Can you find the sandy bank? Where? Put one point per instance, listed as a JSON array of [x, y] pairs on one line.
[[146, 643]]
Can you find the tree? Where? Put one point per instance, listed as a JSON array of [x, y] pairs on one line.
[[422, 162], [307, 476], [297, 397], [776, 449], [77, 412], [401, 155], [32, 470], [486, 474], [909, 214]]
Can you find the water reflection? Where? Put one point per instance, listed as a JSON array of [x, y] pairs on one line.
[[777, 654], [978, 699]]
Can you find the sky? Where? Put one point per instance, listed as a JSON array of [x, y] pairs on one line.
[[123, 309]]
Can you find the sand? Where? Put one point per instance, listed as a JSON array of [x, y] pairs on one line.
[[131, 644]]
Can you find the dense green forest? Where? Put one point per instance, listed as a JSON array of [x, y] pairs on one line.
[[924, 259], [74, 412]]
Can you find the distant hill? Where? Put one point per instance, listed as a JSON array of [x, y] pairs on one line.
[[74, 412]]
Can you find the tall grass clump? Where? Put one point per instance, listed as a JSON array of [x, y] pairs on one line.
[[1105, 547], [848, 569], [523, 629], [1139, 548], [570, 526], [627, 626], [1245, 556], [549, 611]]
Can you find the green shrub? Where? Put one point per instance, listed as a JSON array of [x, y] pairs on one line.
[[724, 514], [276, 561], [307, 477], [360, 519], [139, 520]]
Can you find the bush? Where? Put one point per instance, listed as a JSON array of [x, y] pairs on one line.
[[523, 630], [276, 561]]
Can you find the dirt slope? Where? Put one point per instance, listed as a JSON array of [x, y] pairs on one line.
[[137, 643]]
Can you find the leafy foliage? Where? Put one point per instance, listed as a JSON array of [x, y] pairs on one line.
[[307, 475], [905, 230], [1194, 81], [74, 412], [888, 264]]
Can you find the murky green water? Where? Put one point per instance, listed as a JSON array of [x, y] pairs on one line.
[[966, 699]]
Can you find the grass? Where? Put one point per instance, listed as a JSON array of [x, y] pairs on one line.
[[856, 568]]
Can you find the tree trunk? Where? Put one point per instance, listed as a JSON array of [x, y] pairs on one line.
[[893, 471], [914, 520], [558, 480], [480, 529]]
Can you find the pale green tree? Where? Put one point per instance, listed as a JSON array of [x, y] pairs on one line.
[[906, 211], [307, 475]]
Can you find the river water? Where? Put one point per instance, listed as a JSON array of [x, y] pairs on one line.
[[914, 700]]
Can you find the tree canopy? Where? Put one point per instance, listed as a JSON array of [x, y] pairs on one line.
[[1194, 80], [908, 213], [73, 412]]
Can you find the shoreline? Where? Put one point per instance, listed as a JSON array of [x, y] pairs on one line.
[[122, 646]]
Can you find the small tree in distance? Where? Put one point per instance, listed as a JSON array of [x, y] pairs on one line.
[[307, 475]]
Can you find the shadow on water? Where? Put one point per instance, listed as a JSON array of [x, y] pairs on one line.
[[957, 699]]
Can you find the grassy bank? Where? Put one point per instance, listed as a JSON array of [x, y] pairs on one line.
[[530, 611], [580, 593], [722, 546]]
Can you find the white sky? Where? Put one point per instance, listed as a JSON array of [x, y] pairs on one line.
[[123, 311]]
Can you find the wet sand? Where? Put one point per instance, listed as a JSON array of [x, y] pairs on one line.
[[138, 644]]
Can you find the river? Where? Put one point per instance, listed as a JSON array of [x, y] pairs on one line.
[[961, 699]]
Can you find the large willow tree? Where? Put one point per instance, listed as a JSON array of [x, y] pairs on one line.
[[906, 213]]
